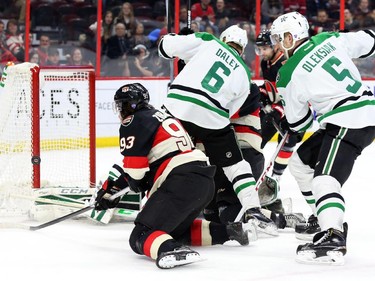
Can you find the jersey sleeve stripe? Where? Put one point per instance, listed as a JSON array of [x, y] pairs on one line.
[[199, 93]]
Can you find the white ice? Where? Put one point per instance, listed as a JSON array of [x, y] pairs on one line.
[[83, 250]]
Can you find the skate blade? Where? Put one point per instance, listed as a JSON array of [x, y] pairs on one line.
[[305, 237], [332, 258], [251, 229], [171, 261], [267, 228]]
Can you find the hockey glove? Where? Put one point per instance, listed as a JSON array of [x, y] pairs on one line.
[[102, 201], [284, 126], [141, 185]]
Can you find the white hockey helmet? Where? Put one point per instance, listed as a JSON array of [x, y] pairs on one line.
[[236, 35], [294, 23]]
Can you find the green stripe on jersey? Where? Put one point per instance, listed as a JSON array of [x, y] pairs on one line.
[[347, 108], [198, 102], [286, 71]]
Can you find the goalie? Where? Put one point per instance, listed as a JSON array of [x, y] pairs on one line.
[[160, 160]]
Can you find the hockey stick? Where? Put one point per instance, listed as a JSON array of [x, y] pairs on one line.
[[169, 30], [265, 171], [188, 14], [60, 219]]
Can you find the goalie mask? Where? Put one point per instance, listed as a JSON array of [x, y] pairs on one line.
[[235, 35], [130, 98]]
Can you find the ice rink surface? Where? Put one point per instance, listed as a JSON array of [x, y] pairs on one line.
[[83, 250]]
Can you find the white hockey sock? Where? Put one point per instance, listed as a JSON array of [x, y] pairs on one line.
[[240, 175], [330, 205], [303, 174]]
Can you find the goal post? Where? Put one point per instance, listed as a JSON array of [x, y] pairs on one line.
[[47, 129]]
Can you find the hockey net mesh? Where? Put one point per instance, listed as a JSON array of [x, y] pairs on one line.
[[65, 160]]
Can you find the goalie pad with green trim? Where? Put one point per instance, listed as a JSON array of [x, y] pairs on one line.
[[127, 209]]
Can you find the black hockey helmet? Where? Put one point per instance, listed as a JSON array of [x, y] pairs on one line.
[[263, 38], [130, 98]]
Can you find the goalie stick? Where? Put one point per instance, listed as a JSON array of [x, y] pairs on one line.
[[60, 219], [267, 169]]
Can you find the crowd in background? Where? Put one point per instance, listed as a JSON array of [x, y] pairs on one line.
[[130, 30]]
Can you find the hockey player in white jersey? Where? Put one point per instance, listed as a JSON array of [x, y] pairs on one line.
[[211, 88], [319, 75]]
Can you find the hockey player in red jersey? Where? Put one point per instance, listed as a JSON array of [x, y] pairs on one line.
[[272, 112], [160, 160]]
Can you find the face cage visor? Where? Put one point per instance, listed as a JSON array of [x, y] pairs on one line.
[[276, 38]]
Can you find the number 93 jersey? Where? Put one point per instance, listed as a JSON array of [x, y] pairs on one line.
[[152, 141], [213, 84], [322, 75]]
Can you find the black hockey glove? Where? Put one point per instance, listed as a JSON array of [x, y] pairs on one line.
[[264, 99], [116, 181], [141, 185], [186, 31], [273, 115], [267, 128], [284, 126], [102, 201]]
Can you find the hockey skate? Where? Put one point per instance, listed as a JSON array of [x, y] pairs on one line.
[[243, 233], [306, 231], [178, 257], [328, 247], [263, 224], [287, 220]]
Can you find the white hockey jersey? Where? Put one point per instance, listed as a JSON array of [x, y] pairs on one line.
[[321, 74], [212, 86]]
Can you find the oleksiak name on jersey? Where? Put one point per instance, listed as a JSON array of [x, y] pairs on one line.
[[321, 76]]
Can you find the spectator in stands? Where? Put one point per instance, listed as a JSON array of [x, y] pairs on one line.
[[221, 15], [322, 23], [118, 48], [203, 13], [53, 57], [5, 55], [76, 57], [210, 30], [14, 40], [195, 26], [139, 36], [270, 10], [107, 27], [183, 16], [295, 6], [140, 64], [363, 13], [333, 9], [42, 50], [249, 53], [126, 16], [34, 57], [2, 34], [351, 5], [350, 23]]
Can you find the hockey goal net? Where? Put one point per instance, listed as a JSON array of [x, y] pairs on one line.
[[47, 133]]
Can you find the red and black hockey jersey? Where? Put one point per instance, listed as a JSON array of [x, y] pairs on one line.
[[153, 143]]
